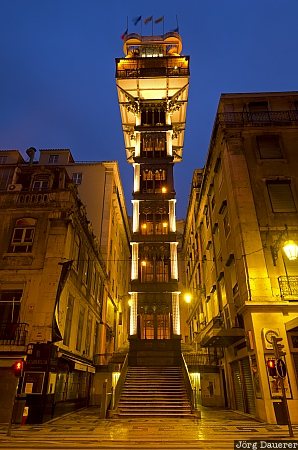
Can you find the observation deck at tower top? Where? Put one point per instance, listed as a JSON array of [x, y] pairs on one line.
[[152, 56]]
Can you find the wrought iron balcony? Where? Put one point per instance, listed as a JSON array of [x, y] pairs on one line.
[[217, 335], [288, 287], [260, 118], [13, 333]]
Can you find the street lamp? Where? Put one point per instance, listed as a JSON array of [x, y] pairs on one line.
[[290, 249], [187, 297]]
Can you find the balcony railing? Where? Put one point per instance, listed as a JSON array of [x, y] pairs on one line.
[[200, 359], [13, 333], [152, 72], [260, 118], [288, 286]]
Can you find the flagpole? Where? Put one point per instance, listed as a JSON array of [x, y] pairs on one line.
[[177, 22], [152, 25], [127, 23], [163, 25]]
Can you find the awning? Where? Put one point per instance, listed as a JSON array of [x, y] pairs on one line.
[[78, 364]]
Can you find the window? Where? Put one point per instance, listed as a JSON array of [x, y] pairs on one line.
[[10, 303], [153, 116], [40, 185], [80, 328], [53, 159], [3, 159], [269, 146], [22, 236], [152, 181], [77, 177], [226, 222], [258, 106], [76, 252], [153, 145], [68, 320], [281, 196], [6, 175]]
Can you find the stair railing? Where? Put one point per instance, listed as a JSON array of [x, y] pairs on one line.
[[119, 385], [189, 388]]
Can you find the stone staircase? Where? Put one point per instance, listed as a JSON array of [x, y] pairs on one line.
[[151, 391]]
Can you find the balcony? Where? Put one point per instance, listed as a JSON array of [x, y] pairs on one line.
[[13, 334], [288, 287], [258, 119], [159, 70], [201, 362], [216, 335]]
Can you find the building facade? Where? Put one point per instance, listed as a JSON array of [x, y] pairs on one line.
[[243, 208], [152, 83], [60, 312]]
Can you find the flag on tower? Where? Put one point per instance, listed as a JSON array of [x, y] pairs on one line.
[[136, 20], [148, 19], [160, 19], [124, 34]]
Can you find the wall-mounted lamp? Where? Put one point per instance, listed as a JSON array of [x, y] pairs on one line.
[[289, 247]]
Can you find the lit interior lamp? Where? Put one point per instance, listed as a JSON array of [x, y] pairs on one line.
[[143, 263], [163, 189], [164, 224], [130, 302], [144, 226], [187, 298], [291, 250]]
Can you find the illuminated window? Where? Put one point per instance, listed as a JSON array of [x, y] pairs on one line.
[[23, 236]]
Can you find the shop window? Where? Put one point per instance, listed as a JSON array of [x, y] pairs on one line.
[[23, 236], [269, 147], [281, 196]]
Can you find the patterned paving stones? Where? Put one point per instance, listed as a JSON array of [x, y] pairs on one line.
[[83, 430]]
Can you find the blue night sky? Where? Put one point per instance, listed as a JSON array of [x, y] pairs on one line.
[[57, 69]]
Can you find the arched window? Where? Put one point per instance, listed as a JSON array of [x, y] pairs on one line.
[[23, 235]]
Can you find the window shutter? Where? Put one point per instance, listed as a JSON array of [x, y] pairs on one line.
[[281, 196], [269, 147]]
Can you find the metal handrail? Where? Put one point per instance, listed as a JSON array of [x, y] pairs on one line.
[[119, 385], [189, 388]]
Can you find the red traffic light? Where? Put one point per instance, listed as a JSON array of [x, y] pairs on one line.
[[271, 367], [18, 367]]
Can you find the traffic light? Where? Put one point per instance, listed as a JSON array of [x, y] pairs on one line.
[[18, 368], [271, 367], [278, 348]]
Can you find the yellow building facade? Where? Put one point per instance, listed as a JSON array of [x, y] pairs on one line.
[[60, 313], [243, 208]]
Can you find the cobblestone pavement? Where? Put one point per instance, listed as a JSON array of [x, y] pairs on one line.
[[83, 429]]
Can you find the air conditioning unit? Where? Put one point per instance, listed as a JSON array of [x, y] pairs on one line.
[[14, 187]]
